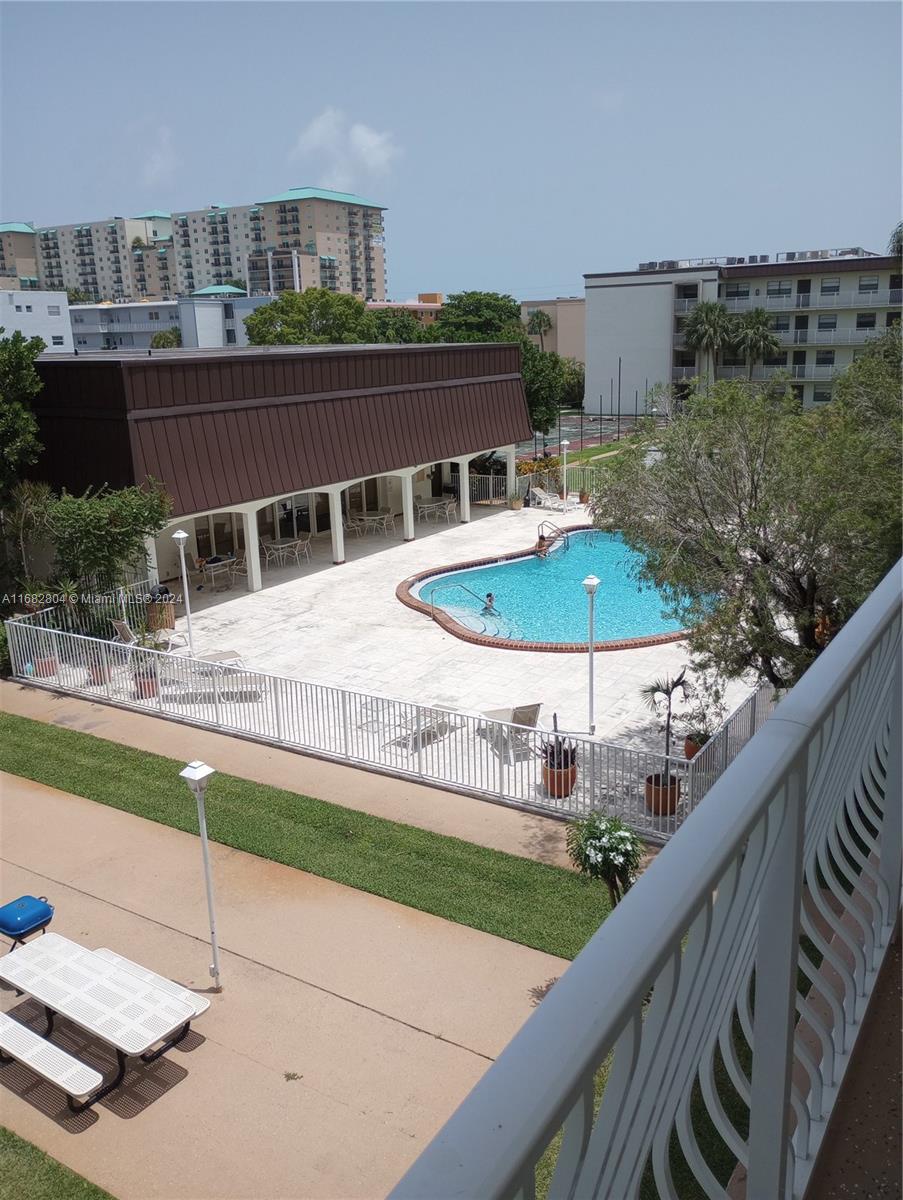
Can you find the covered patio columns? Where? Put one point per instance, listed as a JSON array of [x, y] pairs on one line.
[[336, 528], [464, 485], [510, 453], [252, 548]]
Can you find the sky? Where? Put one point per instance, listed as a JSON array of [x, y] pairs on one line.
[[516, 146]]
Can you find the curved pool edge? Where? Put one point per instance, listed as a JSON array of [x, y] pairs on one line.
[[450, 625]]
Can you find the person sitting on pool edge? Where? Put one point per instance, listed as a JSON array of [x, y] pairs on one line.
[[489, 606], [542, 547]]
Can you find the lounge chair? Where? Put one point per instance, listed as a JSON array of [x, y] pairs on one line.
[[511, 741], [546, 500], [163, 639]]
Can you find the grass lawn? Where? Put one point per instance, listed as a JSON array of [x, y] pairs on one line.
[[548, 908], [27, 1173]]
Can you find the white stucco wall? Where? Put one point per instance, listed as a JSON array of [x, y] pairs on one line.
[[38, 314], [632, 321]]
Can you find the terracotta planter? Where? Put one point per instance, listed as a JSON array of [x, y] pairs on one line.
[[98, 673], [662, 795], [691, 747], [145, 687], [584, 496], [46, 666], [559, 783], [515, 504]]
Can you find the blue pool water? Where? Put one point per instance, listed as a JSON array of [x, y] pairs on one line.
[[542, 599]]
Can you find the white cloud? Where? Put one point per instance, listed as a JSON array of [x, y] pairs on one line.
[[344, 151], [160, 158]]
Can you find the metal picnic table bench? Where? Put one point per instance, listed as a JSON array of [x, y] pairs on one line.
[[137, 1012]]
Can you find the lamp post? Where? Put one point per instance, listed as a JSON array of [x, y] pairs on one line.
[[196, 775], [180, 537], [564, 471], [591, 584]]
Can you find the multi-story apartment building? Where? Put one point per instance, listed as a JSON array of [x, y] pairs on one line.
[[201, 322], [305, 237], [567, 336], [425, 308], [37, 314], [824, 305]]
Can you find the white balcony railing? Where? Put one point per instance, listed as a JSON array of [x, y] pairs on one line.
[[728, 988], [811, 337], [885, 298], [117, 330], [760, 372]]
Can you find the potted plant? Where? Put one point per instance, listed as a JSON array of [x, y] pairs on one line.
[[515, 501], [603, 847], [144, 680], [559, 764], [663, 791], [705, 714]]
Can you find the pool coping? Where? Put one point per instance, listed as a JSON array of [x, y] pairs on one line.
[[450, 625]]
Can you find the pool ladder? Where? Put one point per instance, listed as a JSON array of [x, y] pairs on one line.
[[557, 532]]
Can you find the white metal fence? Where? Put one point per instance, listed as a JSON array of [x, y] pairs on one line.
[[464, 751], [724, 996]]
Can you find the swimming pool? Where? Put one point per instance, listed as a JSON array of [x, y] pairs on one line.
[[542, 600]]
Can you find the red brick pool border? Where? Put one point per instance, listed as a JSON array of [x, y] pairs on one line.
[[450, 625]]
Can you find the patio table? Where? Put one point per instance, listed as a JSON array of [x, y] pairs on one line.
[[429, 508], [372, 520], [99, 996]]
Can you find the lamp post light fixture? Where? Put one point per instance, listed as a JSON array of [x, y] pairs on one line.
[[591, 585], [180, 537], [196, 774], [564, 471]]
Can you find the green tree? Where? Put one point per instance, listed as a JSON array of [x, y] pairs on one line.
[[544, 377], [574, 383], [395, 325], [19, 384], [708, 329], [167, 339], [138, 242], [77, 296], [316, 316], [24, 521], [101, 534], [238, 283], [760, 522], [539, 323], [754, 337], [895, 244], [475, 317]]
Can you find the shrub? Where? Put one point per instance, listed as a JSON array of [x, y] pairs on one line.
[[604, 848]]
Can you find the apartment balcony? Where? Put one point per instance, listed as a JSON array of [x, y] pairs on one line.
[[733, 997], [761, 373], [812, 337], [678, 373], [886, 298]]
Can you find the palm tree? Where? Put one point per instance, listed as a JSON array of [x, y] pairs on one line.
[[754, 337], [895, 245], [664, 690], [708, 329], [539, 323]]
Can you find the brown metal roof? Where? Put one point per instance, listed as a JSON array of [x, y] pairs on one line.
[[231, 427]]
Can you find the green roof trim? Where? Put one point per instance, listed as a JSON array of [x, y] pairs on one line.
[[15, 227], [309, 193], [220, 289], [151, 214]]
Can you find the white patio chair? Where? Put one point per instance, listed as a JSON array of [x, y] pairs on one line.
[[451, 510], [163, 639], [297, 549], [547, 500], [271, 553], [508, 743], [239, 565], [389, 522], [350, 525]]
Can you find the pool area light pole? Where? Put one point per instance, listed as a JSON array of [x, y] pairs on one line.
[[180, 537], [564, 471], [591, 585], [196, 774]]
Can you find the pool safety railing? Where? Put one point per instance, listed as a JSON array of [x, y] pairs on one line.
[[704, 1032], [552, 533], [458, 751]]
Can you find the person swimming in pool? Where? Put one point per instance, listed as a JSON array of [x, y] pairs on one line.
[[489, 606], [542, 546]]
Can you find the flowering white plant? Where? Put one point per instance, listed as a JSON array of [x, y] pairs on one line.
[[604, 848]]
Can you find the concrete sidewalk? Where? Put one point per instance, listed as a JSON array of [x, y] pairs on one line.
[[387, 1016], [497, 826]]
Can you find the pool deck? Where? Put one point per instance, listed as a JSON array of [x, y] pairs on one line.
[[344, 625]]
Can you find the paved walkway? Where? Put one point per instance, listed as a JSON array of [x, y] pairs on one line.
[[387, 1016], [479, 821]]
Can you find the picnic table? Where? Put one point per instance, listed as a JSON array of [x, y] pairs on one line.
[[138, 1013]]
